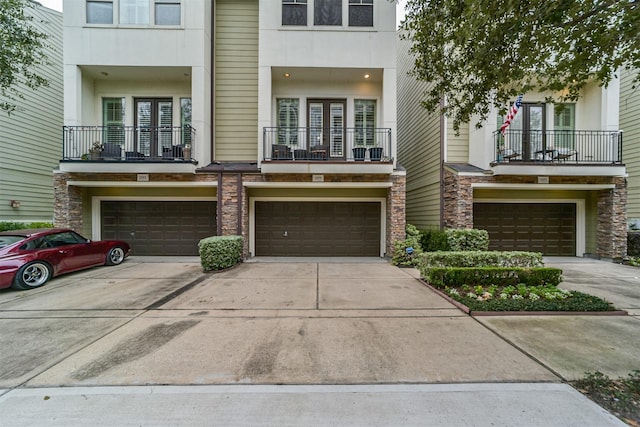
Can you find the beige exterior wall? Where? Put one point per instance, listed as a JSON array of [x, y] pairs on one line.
[[630, 124], [457, 146], [418, 146], [30, 138], [236, 80]]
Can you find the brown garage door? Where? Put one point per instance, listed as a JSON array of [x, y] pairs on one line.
[[549, 228], [317, 229], [159, 228]]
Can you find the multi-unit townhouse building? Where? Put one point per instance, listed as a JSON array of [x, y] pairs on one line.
[[30, 143], [555, 182], [270, 119]]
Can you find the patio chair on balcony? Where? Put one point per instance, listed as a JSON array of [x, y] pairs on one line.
[[281, 152], [111, 151], [319, 152], [509, 154], [562, 154]]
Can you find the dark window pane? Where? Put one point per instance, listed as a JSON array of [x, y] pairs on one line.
[[294, 12], [99, 12], [360, 13], [328, 12]]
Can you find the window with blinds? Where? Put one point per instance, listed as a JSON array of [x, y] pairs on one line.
[[365, 122], [327, 12], [167, 12], [113, 120], [294, 12], [134, 12], [288, 110], [361, 13], [564, 126]]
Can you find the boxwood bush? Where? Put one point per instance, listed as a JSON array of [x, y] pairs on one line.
[[220, 252], [481, 259], [7, 226], [467, 239], [434, 240], [442, 277], [633, 243], [401, 256]]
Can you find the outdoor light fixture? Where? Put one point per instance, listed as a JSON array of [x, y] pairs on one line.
[[15, 204], [287, 75], [366, 76]]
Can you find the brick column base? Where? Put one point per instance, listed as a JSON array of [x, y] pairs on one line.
[[396, 219], [67, 208], [612, 221]]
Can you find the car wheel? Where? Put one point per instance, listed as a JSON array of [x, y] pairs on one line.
[[32, 275], [115, 256]]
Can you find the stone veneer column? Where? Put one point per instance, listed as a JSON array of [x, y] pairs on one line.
[[612, 221], [67, 207], [458, 201], [396, 205], [229, 207]]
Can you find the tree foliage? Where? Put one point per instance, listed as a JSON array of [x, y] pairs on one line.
[[21, 52], [478, 54]]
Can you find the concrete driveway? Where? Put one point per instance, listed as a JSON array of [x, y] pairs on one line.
[[352, 324]]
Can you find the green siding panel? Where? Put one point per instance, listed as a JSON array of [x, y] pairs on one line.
[[630, 124], [236, 80]]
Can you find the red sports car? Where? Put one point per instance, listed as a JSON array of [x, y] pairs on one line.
[[28, 258]]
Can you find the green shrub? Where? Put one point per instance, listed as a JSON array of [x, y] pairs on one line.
[[467, 239], [575, 301], [433, 240], [220, 252], [442, 277], [633, 243], [7, 226], [481, 259], [401, 256]]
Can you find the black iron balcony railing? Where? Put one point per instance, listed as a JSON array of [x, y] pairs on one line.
[[128, 143], [586, 147], [327, 144]]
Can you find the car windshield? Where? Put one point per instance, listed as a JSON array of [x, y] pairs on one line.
[[10, 240]]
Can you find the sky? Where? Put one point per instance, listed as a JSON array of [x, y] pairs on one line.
[[52, 4], [57, 5]]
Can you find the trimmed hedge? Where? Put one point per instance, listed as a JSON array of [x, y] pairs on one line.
[[576, 302], [434, 240], [467, 239], [481, 259], [7, 226], [442, 277], [220, 252]]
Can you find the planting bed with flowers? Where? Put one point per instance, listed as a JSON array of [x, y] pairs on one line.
[[525, 298]]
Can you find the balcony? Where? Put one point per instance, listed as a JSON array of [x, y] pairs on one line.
[[98, 148], [339, 150], [559, 147], [127, 143]]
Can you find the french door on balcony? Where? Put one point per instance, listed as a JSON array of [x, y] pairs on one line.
[[530, 121], [326, 121], [154, 121]]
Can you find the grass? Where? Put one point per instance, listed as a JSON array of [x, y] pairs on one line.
[[525, 298], [619, 396]]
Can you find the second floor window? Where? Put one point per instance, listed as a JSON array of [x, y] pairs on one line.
[[294, 12], [134, 12], [327, 12], [361, 13], [99, 12]]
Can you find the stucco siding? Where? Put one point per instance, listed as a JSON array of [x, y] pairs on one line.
[[418, 146], [630, 124], [236, 80], [31, 137]]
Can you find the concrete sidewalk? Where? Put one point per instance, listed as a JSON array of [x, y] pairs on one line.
[[446, 405]]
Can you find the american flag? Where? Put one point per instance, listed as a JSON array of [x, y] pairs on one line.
[[512, 114]]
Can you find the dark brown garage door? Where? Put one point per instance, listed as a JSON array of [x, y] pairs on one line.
[[549, 228], [159, 228], [317, 229]]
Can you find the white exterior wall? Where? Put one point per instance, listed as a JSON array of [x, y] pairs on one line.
[[327, 62], [140, 61]]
